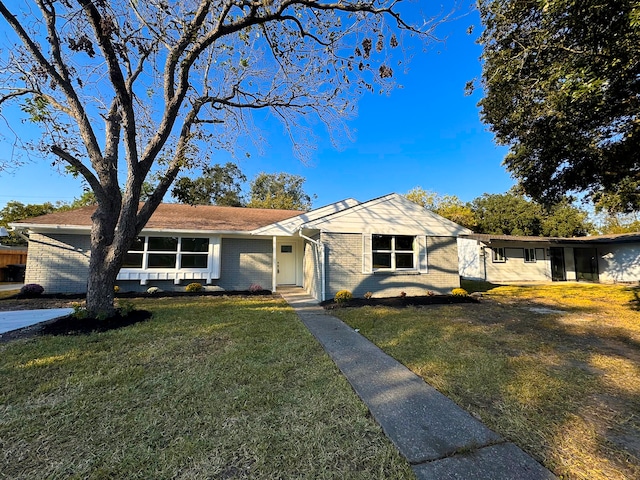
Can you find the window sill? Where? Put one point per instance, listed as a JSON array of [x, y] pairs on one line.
[[396, 272]]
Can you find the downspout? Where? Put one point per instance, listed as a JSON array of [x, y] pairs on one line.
[[320, 246]]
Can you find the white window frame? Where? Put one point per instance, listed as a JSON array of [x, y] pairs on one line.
[[393, 251], [498, 255], [178, 253], [530, 255]]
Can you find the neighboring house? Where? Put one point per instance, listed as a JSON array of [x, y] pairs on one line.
[[386, 246], [506, 258]]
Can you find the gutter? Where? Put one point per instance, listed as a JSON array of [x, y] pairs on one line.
[[320, 246]]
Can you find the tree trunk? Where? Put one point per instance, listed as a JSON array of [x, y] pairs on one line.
[[100, 294], [103, 264]]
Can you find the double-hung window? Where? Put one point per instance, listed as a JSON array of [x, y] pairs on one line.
[[529, 255], [168, 253], [393, 252], [498, 254]]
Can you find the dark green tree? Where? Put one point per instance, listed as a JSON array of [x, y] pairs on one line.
[[513, 214], [562, 89], [218, 185], [279, 190]]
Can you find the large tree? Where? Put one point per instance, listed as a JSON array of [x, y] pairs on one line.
[[279, 190], [561, 80], [218, 185], [122, 87], [513, 214]]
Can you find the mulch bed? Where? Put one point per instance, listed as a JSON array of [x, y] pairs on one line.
[[71, 325], [399, 302]]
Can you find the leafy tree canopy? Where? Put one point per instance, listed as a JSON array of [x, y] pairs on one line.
[[513, 214], [562, 89], [218, 185], [279, 190]]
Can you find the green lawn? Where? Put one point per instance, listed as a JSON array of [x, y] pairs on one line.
[[561, 380], [208, 388]]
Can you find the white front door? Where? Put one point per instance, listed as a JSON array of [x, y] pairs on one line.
[[286, 264]]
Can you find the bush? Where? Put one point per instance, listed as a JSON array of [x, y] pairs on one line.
[[343, 296], [31, 290], [116, 289], [459, 292], [193, 287], [254, 287], [368, 295]]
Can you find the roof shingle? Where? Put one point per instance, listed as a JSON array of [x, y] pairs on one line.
[[172, 216]]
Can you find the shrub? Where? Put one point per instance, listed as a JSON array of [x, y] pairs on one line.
[[79, 311], [153, 290], [193, 287], [368, 295], [125, 307], [116, 289], [459, 292], [32, 290], [343, 296], [255, 287]]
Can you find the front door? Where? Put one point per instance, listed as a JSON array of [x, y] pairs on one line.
[[558, 272], [286, 264]]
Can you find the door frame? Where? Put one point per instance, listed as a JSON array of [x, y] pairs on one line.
[[277, 243]]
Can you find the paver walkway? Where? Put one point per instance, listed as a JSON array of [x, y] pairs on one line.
[[439, 439]]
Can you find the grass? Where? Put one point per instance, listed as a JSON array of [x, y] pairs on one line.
[[208, 388], [553, 368]]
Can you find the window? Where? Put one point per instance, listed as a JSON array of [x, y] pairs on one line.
[[498, 254], [168, 253], [529, 255], [393, 252]]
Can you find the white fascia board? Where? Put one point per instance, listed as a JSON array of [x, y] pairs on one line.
[[443, 227], [71, 229], [291, 225]]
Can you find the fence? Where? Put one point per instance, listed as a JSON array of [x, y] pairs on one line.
[[10, 257]]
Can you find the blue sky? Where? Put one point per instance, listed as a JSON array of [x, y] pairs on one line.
[[427, 133]]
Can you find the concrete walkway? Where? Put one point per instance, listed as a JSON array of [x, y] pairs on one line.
[[25, 318], [439, 439]]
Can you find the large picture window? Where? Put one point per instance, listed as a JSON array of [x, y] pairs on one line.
[[393, 252], [168, 253]]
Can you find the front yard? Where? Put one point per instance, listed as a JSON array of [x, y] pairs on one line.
[[208, 388], [555, 369]]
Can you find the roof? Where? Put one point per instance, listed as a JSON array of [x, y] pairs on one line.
[[387, 214], [617, 238], [173, 216]]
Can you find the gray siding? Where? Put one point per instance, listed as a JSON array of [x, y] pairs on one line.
[[245, 261], [58, 262], [344, 269]]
